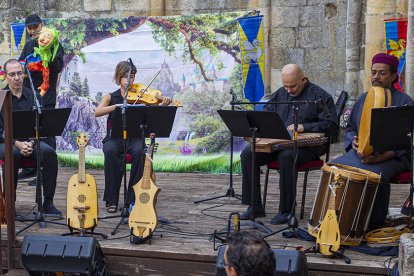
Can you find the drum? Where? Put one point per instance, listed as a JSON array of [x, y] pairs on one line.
[[355, 193]]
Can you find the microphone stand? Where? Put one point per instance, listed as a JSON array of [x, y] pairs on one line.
[[39, 217], [292, 222], [230, 191], [125, 210]]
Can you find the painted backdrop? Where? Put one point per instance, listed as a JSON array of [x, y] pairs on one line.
[[199, 59]]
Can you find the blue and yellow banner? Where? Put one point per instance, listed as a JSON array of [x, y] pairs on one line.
[[18, 39], [396, 40], [252, 56]]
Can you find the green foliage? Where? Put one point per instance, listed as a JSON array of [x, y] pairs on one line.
[[73, 135], [204, 126], [218, 141], [197, 34], [201, 107], [236, 80], [77, 33], [76, 84], [165, 163], [98, 97], [85, 88]]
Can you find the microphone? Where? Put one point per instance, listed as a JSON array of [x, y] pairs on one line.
[[239, 107], [131, 64]]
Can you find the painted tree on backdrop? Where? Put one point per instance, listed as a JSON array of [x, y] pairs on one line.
[[195, 35]]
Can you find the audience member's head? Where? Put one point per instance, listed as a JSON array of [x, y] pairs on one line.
[[247, 254]]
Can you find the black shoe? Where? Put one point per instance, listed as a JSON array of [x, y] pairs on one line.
[[32, 182], [50, 209], [27, 173], [280, 218], [259, 212]]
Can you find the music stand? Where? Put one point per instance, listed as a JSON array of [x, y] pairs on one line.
[[254, 124], [230, 190], [51, 123], [141, 122], [398, 121]]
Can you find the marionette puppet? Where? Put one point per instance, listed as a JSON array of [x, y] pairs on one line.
[[42, 56]]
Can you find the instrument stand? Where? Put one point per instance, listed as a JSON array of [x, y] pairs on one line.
[[84, 232], [335, 254], [48, 122], [399, 136], [254, 124], [293, 222], [150, 119], [230, 191]]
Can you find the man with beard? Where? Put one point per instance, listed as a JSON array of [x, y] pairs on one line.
[[389, 163]]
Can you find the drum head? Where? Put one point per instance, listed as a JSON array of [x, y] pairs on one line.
[[355, 174]]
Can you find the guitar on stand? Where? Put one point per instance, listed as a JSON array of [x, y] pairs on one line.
[[82, 197], [143, 219]]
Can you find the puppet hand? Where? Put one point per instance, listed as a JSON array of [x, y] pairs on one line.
[[42, 91]]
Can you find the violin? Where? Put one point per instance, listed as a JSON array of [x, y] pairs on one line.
[[139, 93]]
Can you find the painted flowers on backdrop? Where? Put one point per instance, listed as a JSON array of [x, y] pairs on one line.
[[2, 78]]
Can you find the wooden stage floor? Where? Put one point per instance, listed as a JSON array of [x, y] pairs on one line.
[[185, 247]]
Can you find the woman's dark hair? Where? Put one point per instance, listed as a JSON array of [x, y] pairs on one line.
[[121, 70]]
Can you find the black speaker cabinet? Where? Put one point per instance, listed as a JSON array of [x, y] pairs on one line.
[[288, 262], [81, 255]]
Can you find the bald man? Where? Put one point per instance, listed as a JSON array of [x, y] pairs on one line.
[[320, 118]]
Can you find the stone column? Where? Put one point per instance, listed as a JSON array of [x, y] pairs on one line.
[[157, 7], [377, 11], [409, 67], [353, 44], [406, 254]]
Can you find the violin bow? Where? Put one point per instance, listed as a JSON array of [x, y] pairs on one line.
[[143, 90]]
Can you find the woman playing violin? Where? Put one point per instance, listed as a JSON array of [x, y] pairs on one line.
[[113, 147]]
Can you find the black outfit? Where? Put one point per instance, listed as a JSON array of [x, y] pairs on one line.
[[387, 169], [319, 117], [55, 67], [48, 157], [113, 149]]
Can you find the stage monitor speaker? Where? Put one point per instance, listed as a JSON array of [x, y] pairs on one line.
[[79, 255], [288, 262]]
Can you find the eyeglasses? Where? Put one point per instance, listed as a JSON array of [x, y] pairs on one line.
[[14, 74]]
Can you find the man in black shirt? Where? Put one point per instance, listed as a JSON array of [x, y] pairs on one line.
[[319, 117], [23, 99]]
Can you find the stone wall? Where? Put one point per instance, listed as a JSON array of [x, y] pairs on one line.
[[311, 33]]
